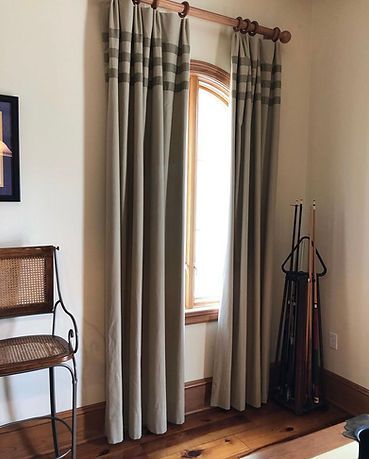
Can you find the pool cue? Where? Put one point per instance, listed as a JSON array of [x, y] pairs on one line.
[[316, 331], [300, 365], [321, 357], [292, 354], [298, 237], [279, 355], [293, 235], [287, 324], [308, 327], [291, 303], [294, 326]]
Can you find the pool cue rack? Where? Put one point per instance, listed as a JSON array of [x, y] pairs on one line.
[[297, 382]]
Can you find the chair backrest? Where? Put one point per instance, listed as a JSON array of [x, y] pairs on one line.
[[26, 281]]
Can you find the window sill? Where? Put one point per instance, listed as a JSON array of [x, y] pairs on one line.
[[201, 315]]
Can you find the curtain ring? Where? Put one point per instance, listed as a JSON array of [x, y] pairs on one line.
[[254, 32], [276, 34], [154, 4], [136, 2], [237, 28], [186, 9], [245, 29]]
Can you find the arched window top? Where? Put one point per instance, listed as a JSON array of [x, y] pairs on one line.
[[212, 78]]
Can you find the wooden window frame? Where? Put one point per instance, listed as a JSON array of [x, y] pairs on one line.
[[216, 81]]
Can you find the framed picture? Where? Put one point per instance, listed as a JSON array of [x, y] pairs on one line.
[[9, 149]]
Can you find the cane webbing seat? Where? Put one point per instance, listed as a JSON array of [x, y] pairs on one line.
[[34, 352]]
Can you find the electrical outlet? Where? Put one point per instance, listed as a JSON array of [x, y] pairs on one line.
[[333, 341]]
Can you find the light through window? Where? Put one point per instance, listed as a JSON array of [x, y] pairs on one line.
[[208, 187]]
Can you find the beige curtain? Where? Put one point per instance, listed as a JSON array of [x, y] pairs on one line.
[[148, 75], [241, 366]]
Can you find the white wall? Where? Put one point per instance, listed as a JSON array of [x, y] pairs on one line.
[[199, 350], [51, 57], [339, 178]]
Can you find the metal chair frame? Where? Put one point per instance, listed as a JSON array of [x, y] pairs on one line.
[[72, 369]]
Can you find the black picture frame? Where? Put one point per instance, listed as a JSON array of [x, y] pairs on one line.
[[9, 155]]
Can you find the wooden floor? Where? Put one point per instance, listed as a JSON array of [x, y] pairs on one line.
[[218, 434], [312, 445]]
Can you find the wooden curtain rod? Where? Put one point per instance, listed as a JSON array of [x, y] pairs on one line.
[[239, 24]]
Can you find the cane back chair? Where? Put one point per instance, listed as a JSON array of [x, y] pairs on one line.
[[27, 287]]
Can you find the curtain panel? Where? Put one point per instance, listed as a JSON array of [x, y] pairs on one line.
[[241, 366], [148, 62]]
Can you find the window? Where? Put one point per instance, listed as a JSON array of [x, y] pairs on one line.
[[208, 184]]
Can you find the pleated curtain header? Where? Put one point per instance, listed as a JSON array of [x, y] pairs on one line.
[[144, 45], [256, 70]]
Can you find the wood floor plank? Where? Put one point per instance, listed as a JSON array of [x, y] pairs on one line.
[[191, 439], [289, 426], [199, 420], [222, 448], [307, 446]]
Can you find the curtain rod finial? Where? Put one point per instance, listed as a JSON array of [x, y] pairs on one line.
[[285, 36]]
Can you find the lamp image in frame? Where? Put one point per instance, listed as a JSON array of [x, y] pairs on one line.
[[9, 149]]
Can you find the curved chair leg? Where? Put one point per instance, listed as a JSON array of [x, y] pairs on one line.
[[53, 410]]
